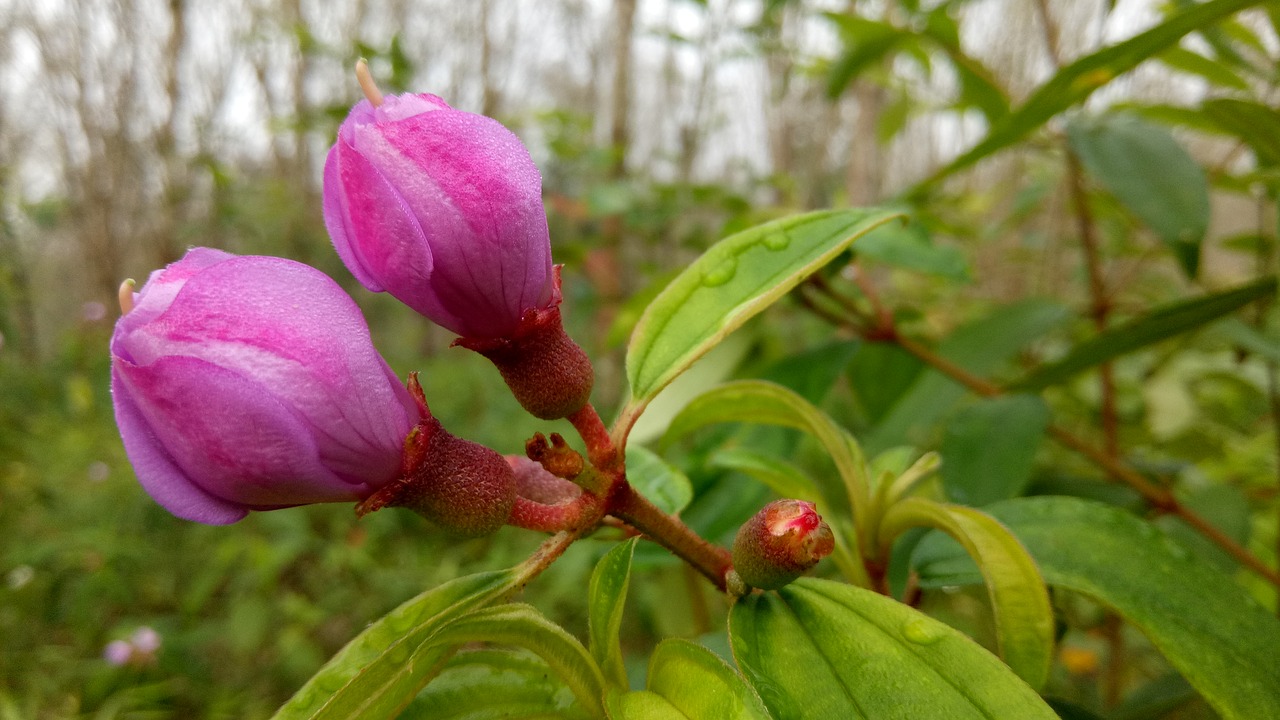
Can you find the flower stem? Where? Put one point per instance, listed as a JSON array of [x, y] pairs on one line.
[[711, 560], [547, 553], [600, 448]]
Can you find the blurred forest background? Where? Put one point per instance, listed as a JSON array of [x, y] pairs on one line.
[[131, 130]]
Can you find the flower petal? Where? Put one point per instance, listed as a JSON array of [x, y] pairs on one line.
[[230, 436], [163, 480]]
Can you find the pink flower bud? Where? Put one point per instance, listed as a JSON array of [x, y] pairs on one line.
[[251, 383], [779, 543], [442, 209]]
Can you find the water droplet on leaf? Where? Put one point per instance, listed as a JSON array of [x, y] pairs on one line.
[[776, 241], [720, 274]]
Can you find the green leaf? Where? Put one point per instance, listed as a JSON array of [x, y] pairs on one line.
[[1149, 172], [1160, 324], [981, 347], [866, 42], [1208, 628], [1081, 78], [657, 480], [756, 401], [1019, 600], [733, 281], [1256, 124], [990, 448], [783, 478], [371, 677], [708, 371], [880, 374], [641, 705], [1193, 63], [811, 373], [700, 685], [820, 650], [1246, 337], [606, 597], [978, 87], [494, 684], [523, 626], [910, 248]]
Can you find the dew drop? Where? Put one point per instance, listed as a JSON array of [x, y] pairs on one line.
[[776, 241], [921, 632], [720, 274]]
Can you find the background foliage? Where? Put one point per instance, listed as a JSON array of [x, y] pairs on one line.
[[1092, 189]]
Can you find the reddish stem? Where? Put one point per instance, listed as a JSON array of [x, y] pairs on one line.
[[533, 515], [600, 449], [711, 560]]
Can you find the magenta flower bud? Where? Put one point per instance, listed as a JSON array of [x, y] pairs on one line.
[[251, 383], [781, 542], [442, 209]]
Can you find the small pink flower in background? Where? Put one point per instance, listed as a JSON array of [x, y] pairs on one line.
[[251, 383], [145, 640], [442, 209], [118, 652], [93, 311], [138, 651]]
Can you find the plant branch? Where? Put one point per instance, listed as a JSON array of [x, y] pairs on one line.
[[547, 553], [1100, 308], [1159, 496], [600, 448], [711, 560]]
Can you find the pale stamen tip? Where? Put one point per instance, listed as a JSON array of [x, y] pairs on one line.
[[125, 295], [367, 85]]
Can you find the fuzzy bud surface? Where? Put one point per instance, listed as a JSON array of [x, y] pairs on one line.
[[781, 542]]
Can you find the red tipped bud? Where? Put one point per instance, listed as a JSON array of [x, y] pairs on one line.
[[781, 542], [462, 486]]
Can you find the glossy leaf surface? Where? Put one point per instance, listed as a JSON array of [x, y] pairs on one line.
[[990, 447], [494, 684], [372, 677], [733, 281], [1222, 641], [756, 401], [1160, 324], [657, 480], [1019, 599], [1149, 173], [817, 650], [523, 626], [688, 682], [606, 597]]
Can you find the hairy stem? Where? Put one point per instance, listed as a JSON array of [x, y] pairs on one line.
[[711, 560], [547, 553]]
